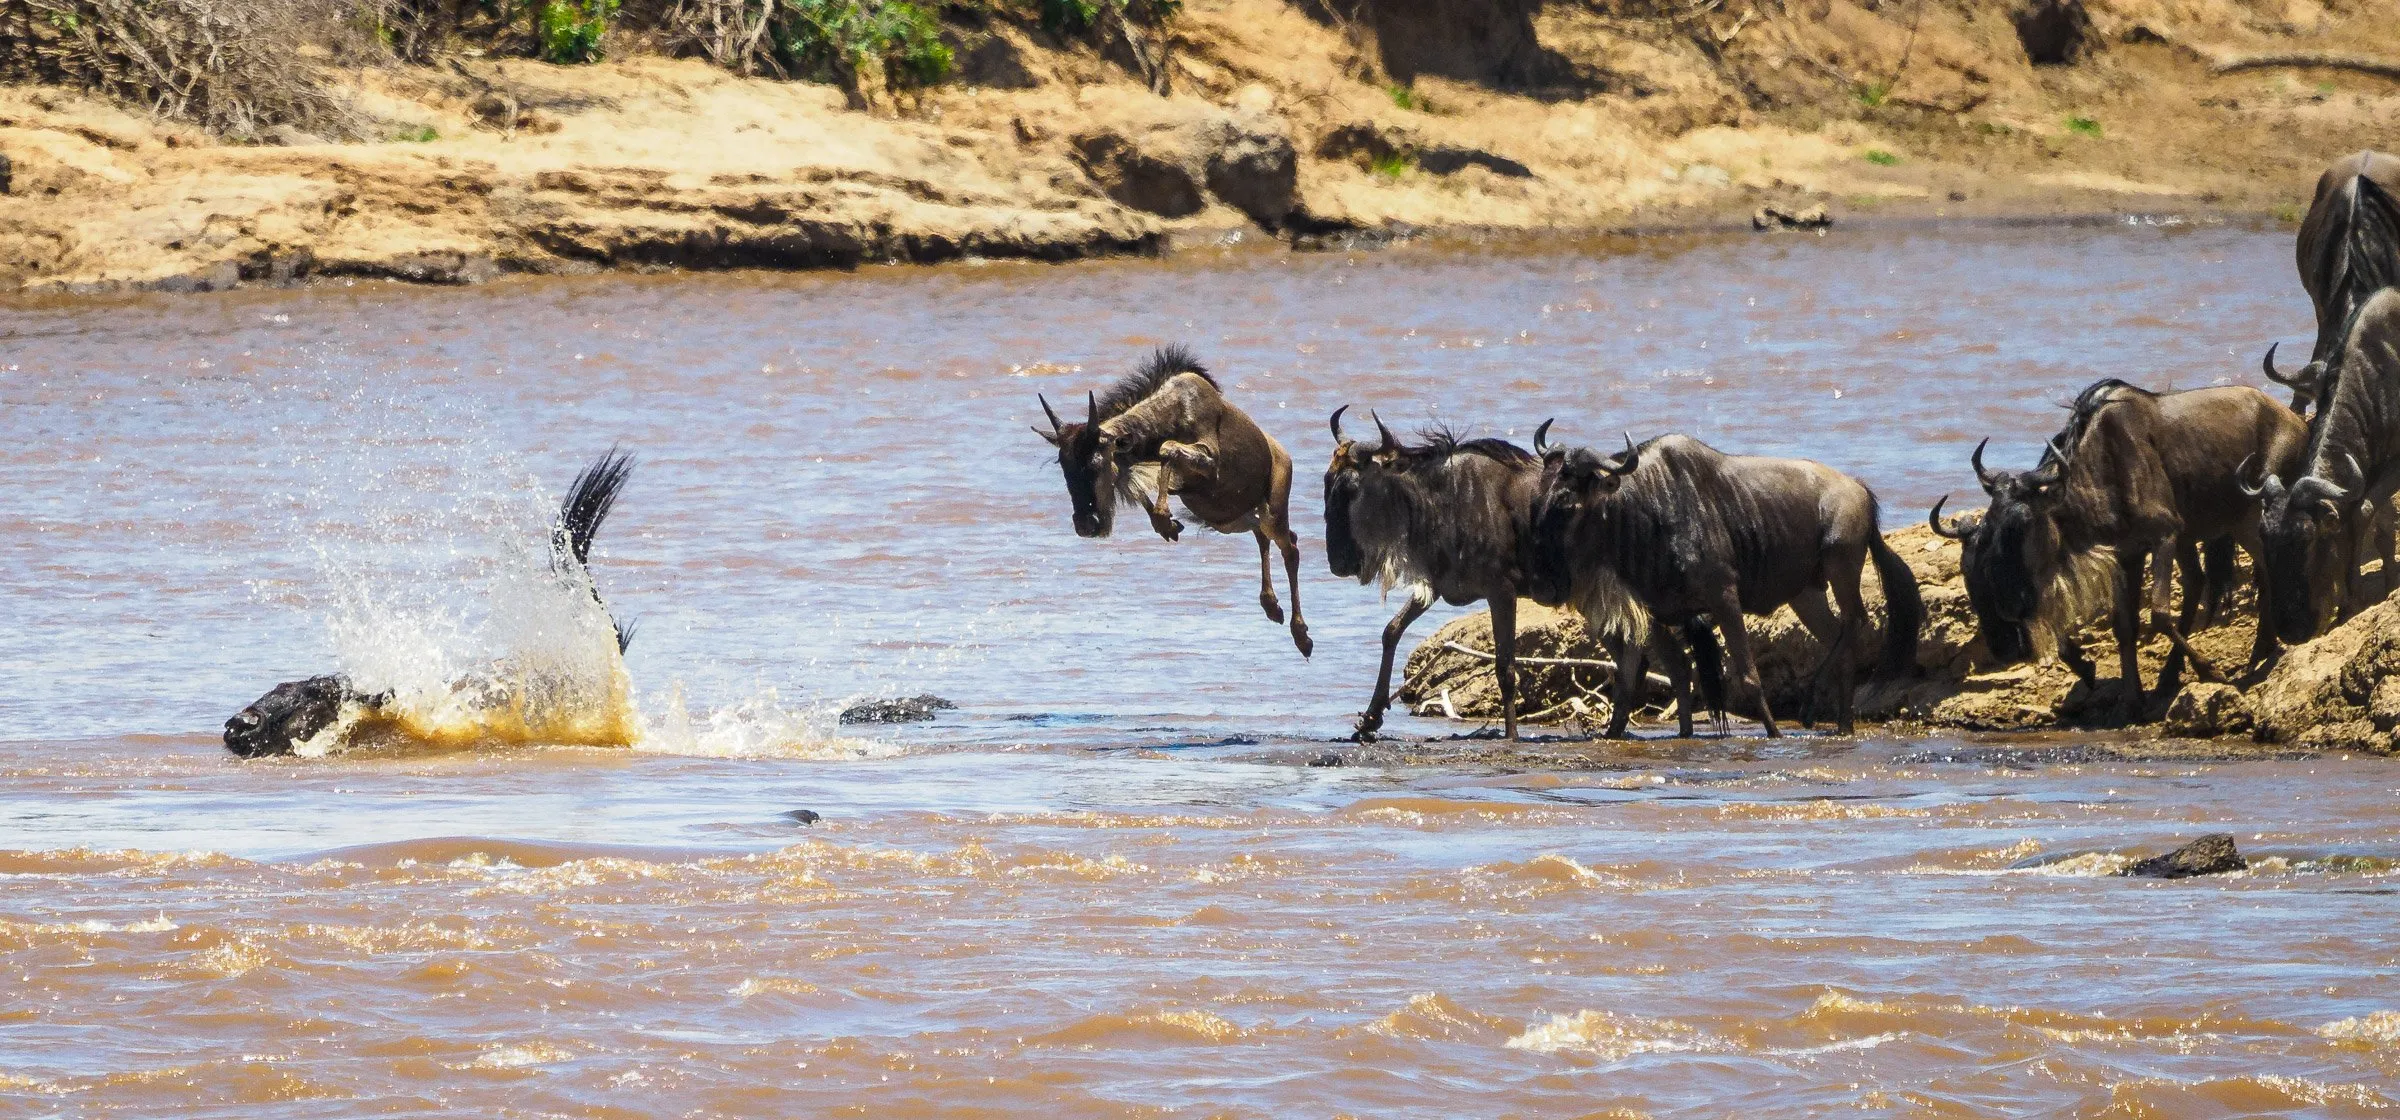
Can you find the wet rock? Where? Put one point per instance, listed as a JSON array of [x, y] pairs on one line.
[[2213, 854], [906, 709], [2331, 693], [1773, 217], [1328, 758], [802, 816], [2053, 32], [2207, 710]]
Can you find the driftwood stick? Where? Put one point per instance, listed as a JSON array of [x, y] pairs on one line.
[[1580, 662], [2381, 68]]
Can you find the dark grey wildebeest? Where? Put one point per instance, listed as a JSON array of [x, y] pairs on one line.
[[2135, 480], [1168, 431], [1682, 530], [1449, 518], [2315, 527], [2348, 249], [294, 712]]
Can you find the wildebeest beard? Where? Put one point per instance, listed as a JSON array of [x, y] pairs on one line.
[[1342, 554], [2294, 526]]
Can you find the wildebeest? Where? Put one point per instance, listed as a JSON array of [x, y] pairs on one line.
[[2348, 249], [1168, 431], [294, 712], [1449, 518], [2348, 475], [2135, 480], [1684, 530]]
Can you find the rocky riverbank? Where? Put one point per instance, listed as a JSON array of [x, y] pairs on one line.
[[2340, 692], [1296, 122]]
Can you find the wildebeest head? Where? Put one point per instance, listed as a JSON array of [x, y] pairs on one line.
[[1089, 460], [2012, 554], [1345, 476], [2297, 525], [1574, 480], [289, 714]]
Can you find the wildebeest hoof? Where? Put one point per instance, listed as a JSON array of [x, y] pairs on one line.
[[802, 816], [1302, 642], [1274, 609], [1169, 529], [906, 709], [2213, 854]]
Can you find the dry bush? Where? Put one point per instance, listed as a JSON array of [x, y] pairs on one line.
[[234, 67]]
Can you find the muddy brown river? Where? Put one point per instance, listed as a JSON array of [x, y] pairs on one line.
[[1103, 886]]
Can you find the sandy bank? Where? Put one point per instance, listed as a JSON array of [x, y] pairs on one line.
[[1279, 121]]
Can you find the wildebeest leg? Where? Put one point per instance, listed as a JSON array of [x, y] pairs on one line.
[[1370, 721], [1162, 520], [2070, 651], [2162, 602], [2262, 646], [1625, 691], [1854, 630], [2216, 567], [2126, 620], [1669, 651], [1266, 572], [1277, 520], [1504, 656], [1818, 617], [1191, 462], [1728, 614]]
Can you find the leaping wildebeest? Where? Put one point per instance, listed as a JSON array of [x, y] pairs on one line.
[[1683, 529], [2350, 470], [1449, 518], [2348, 249], [1168, 431], [294, 712], [2136, 480]]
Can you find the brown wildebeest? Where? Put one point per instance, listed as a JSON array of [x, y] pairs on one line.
[[2139, 477], [2350, 470], [1167, 430], [1684, 529], [2349, 248], [1448, 518]]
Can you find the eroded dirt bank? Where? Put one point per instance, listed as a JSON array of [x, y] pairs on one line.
[[2340, 691], [1299, 121]]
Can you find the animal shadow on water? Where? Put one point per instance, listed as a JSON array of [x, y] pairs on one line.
[[1167, 431], [294, 713]]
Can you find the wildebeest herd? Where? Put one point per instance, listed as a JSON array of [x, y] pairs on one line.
[[1664, 546]]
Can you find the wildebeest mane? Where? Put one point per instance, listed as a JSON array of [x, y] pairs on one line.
[[1163, 365], [1439, 441]]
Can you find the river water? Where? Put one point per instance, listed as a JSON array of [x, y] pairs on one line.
[[1100, 887]]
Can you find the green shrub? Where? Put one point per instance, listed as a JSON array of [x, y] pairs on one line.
[[570, 31], [1880, 158], [836, 38], [1873, 94], [2083, 126], [422, 134], [1070, 17], [1394, 165], [1406, 98]]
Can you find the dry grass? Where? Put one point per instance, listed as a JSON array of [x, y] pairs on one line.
[[235, 67]]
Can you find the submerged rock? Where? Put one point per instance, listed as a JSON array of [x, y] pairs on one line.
[[1774, 217], [2213, 854], [905, 709]]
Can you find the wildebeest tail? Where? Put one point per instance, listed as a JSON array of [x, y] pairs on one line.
[[589, 499], [2370, 262], [1904, 604]]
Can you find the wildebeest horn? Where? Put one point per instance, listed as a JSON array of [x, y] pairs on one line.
[[1935, 519], [1091, 403], [2355, 468], [1048, 411], [2267, 365], [1981, 475], [2241, 477], [1336, 422], [1541, 436], [1390, 441], [1627, 461]]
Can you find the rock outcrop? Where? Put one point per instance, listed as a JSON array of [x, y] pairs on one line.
[[2213, 854]]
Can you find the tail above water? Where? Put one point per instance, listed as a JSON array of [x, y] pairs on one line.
[[1904, 607], [589, 499]]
